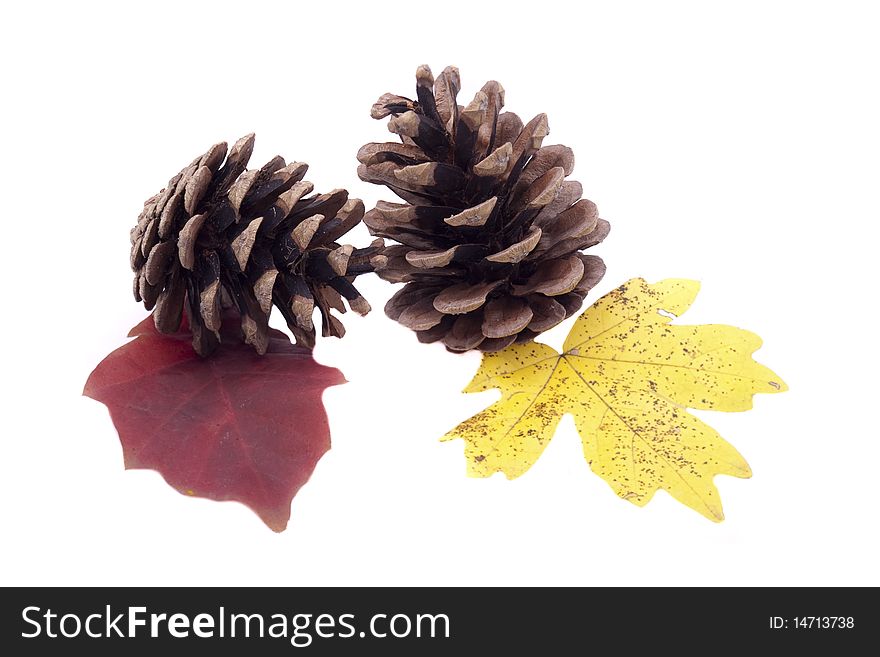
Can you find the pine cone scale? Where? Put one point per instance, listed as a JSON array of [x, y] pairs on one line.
[[546, 312], [474, 216], [518, 251], [421, 316], [186, 240], [490, 345], [465, 333], [505, 316], [169, 304], [463, 297], [209, 305]]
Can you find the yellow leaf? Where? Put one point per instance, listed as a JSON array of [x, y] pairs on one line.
[[628, 377]]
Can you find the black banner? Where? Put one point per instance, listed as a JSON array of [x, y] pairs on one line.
[[421, 621]]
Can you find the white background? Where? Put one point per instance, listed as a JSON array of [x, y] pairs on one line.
[[734, 143]]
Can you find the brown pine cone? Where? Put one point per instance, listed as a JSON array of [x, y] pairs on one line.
[[490, 233], [220, 237]]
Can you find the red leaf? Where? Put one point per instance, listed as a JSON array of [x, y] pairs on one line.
[[233, 426]]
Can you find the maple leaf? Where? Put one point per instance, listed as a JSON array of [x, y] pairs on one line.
[[234, 426], [627, 376]]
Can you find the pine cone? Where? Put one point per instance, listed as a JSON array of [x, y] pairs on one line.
[[222, 238], [490, 234]]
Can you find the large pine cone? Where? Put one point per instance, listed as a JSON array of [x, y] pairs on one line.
[[491, 231], [220, 237]]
